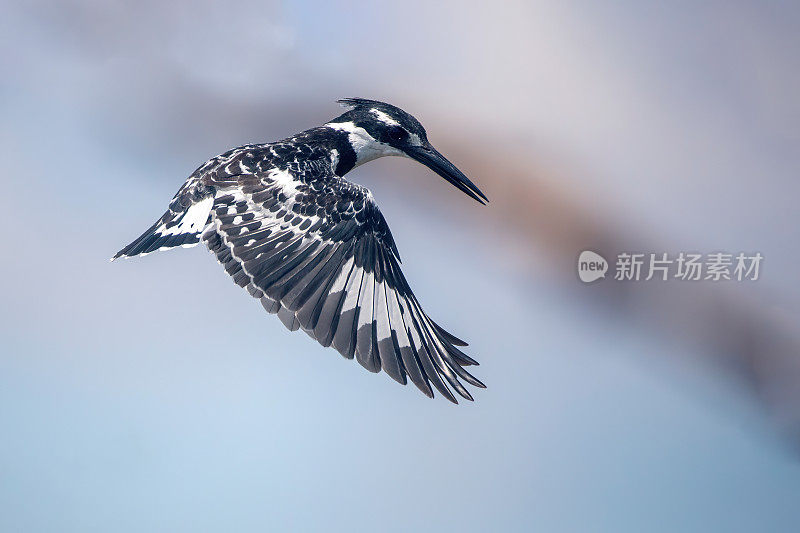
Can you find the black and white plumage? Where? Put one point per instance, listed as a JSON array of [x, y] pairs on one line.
[[315, 249]]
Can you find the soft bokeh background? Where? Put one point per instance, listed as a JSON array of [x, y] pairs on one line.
[[154, 395]]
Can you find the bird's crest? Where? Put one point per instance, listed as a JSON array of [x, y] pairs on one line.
[[356, 102]]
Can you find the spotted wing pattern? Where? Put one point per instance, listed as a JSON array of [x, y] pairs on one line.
[[315, 249]]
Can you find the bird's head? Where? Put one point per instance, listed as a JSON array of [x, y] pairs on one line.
[[377, 129]]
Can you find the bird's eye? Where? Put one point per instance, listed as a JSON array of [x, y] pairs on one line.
[[396, 133]]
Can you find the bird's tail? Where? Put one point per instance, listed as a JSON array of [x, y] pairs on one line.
[[182, 228]]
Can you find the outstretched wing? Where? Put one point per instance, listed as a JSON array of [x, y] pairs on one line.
[[321, 256]]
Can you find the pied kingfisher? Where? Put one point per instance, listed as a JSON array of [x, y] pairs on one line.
[[314, 248]]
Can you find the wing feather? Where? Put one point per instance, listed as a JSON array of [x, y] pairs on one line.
[[325, 261], [345, 338], [330, 313], [402, 339]]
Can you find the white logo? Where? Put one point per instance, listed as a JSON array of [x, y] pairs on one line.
[[591, 266]]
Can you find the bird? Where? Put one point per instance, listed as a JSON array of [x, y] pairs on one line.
[[315, 249]]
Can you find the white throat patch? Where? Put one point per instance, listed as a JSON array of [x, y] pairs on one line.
[[365, 145]]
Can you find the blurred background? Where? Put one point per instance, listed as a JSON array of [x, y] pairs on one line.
[[154, 395]]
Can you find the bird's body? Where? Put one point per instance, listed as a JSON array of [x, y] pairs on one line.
[[314, 248]]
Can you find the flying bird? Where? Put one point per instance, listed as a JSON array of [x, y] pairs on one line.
[[315, 249]]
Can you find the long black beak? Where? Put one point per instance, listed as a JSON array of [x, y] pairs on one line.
[[428, 156]]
